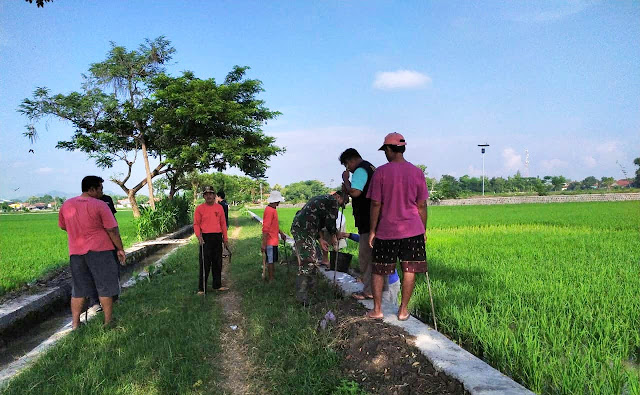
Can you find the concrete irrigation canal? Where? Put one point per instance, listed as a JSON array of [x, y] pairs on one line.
[[34, 320]]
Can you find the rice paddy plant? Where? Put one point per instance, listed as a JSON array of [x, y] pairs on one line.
[[32, 245]]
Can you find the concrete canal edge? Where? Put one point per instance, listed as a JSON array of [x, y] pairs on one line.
[[477, 377], [24, 306]]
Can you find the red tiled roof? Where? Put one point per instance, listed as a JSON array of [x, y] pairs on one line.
[[623, 183]]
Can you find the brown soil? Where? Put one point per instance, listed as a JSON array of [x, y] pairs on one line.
[[383, 358]]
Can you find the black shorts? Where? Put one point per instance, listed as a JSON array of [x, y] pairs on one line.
[[409, 251], [94, 272], [272, 254]]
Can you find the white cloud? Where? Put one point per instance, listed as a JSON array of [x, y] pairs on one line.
[[553, 164], [608, 147], [400, 79], [589, 161], [512, 161], [44, 170]]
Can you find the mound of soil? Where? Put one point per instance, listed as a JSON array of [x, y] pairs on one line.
[[383, 358]]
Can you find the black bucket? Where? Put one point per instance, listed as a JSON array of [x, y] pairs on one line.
[[344, 260]]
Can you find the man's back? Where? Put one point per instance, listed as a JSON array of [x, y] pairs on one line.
[[399, 186], [319, 212], [86, 219]]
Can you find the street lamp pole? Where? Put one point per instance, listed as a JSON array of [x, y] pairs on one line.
[[483, 150]]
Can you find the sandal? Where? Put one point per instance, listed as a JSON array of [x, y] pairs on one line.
[[368, 316], [358, 296], [403, 319]]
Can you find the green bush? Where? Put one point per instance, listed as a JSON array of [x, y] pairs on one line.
[[169, 215]]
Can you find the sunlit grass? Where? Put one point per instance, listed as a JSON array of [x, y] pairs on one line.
[[165, 342], [547, 293]]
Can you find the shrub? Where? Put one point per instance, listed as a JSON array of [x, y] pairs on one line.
[[169, 215], [542, 190]]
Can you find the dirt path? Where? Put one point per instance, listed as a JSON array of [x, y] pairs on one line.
[[236, 366]]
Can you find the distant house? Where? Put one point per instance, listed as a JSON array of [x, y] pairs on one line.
[[623, 183], [123, 203]]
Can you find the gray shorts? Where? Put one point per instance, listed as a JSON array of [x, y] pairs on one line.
[[94, 272]]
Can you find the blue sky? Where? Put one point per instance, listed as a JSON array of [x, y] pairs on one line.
[[557, 79]]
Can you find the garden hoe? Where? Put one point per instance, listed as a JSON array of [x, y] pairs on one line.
[[335, 249], [204, 274], [264, 265]]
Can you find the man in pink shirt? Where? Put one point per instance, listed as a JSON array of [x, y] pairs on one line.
[[398, 194], [92, 232], [210, 227]]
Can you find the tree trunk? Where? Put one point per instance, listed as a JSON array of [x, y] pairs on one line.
[[145, 157], [134, 203], [194, 188]]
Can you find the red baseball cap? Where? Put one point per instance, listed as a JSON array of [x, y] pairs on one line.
[[393, 139]]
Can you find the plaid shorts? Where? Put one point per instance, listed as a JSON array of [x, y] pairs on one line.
[[410, 252]]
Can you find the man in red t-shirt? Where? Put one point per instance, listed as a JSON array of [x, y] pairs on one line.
[[271, 230], [398, 194], [92, 232], [210, 228]]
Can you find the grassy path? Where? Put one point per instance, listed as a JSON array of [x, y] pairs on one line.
[[170, 340], [237, 369]]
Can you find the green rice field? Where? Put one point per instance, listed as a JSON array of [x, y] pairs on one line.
[[549, 294], [31, 245]]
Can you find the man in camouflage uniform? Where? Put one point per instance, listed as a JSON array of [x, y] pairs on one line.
[[319, 213]]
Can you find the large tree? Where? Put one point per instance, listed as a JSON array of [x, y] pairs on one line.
[[636, 181], [129, 106], [206, 125], [108, 115]]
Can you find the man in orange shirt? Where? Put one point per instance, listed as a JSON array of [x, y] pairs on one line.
[[271, 230], [210, 228]]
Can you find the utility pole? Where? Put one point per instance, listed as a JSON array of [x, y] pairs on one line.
[[483, 150]]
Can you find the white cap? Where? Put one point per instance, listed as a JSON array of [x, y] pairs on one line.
[[275, 196]]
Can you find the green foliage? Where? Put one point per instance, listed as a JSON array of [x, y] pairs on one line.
[[636, 181], [448, 187], [589, 182], [304, 190], [128, 105], [169, 215], [349, 387], [238, 189], [542, 189], [436, 196]]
